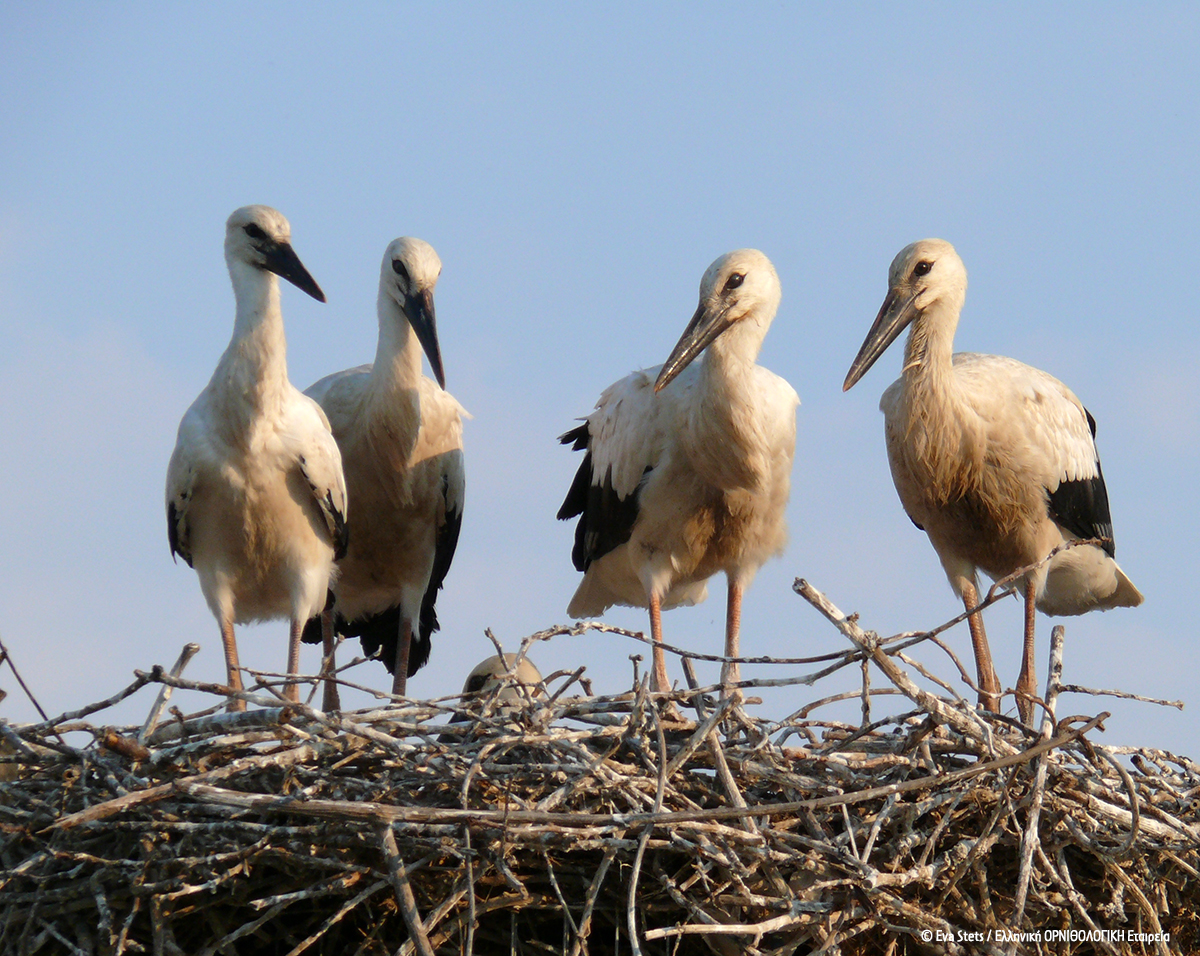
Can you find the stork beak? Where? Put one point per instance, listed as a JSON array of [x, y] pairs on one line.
[[894, 317], [418, 309], [704, 327], [281, 259]]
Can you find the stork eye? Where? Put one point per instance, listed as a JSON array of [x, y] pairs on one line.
[[734, 281], [254, 231], [922, 268], [401, 271]]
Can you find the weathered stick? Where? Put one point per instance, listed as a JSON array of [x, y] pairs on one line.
[[164, 694], [969, 726], [404, 893], [1030, 838], [367, 811]]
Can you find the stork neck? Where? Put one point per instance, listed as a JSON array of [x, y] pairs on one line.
[[929, 350], [738, 346], [720, 440], [938, 418], [721, 372], [729, 362], [253, 368], [398, 354]]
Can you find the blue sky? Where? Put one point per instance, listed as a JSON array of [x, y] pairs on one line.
[[577, 170]]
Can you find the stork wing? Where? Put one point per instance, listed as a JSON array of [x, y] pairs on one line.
[[624, 438], [446, 542], [306, 431], [339, 394], [181, 479], [1058, 437]]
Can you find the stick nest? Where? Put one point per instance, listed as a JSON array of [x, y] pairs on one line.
[[560, 822]]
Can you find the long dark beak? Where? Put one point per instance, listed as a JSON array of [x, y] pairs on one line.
[[894, 317], [419, 311], [704, 327], [281, 259]]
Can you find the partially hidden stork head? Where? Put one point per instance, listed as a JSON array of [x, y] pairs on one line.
[[260, 236], [488, 673], [408, 276], [923, 275], [740, 290]]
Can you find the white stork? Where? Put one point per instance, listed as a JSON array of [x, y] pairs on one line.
[[524, 682], [688, 467], [256, 501], [994, 460], [491, 670], [401, 439]]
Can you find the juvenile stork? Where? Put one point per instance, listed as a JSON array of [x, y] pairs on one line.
[[256, 501], [688, 466], [521, 681], [490, 671], [401, 439], [995, 461]]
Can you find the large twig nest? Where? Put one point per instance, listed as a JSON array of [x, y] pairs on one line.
[[579, 824]]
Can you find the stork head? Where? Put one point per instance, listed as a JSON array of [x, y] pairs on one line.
[[740, 290], [408, 277], [260, 236], [487, 674], [923, 275]]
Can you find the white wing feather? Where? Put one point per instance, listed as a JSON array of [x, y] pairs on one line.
[[1052, 425], [629, 427], [305, 433]]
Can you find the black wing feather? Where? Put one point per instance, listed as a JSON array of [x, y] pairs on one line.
[[1081, 506], [335, 521], [178, 545], [606, 519]]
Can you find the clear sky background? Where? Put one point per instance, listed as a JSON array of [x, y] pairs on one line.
[[577, 170]]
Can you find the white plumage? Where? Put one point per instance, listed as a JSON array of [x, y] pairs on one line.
[[688, 466], [256, 501], [996, 461], [400, 434]]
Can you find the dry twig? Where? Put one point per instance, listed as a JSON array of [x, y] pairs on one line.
[[595, 825]]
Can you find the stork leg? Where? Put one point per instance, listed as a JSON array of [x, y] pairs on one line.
[[330, 699], [661, 684], [989, 683], [403, 646], [291, 690], [233, 670], [1027, 681], [731, 672]]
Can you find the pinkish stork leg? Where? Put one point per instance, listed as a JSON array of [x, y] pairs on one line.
[[661, 684], [291, 690], [989, 684], [330, 699], [403, 646], [233, 671], [730, 672], [1027, 681]]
